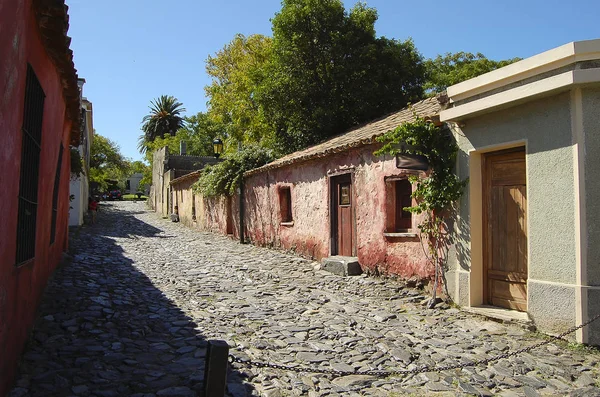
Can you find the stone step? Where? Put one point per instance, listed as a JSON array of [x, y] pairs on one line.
[[342, 265]]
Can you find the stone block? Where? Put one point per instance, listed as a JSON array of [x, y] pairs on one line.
[[342, 265]]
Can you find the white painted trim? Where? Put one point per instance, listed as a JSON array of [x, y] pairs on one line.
[[552, 84], [578, 137], [541, 63]]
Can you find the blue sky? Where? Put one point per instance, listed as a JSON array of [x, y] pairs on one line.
[[131, 51]]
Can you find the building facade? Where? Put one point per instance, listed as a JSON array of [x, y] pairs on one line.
[[39, 120], [79, 186], [528, 234]]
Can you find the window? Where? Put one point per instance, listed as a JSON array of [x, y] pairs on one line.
[[55, 195], [403, 218], [285, 204], [30, 166]]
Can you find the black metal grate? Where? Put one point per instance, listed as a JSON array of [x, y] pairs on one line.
[[55, 195], [30, 166]]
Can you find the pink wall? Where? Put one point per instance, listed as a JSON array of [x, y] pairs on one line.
[[211, 212], [310, 233], [21, 287]]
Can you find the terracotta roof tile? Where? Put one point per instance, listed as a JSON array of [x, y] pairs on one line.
[[53, 21], [361, 135]]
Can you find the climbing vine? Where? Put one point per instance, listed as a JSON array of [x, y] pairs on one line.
[[225, 177], [76, 163], [436, 193]]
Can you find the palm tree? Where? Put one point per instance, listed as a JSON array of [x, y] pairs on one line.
[[164, 118]]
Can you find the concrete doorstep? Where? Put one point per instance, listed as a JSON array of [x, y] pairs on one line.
[[342, 265]]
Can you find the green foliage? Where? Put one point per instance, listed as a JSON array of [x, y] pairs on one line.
[[107, 165], [323, 72], [450, 69], [442, 187], [164, 118], [137, 167], [224, 178], [329, 72], [237, 73], [434, 194], [76, 163]]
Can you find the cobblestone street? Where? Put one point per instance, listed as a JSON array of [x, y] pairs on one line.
[[131, 313]]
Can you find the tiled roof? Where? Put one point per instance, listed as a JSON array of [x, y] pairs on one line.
[[361, 135], [53, 22], [191, 175]]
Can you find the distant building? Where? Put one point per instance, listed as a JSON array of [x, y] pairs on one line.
[[132, 184], [79, 187], [40, 118], [165, 168]]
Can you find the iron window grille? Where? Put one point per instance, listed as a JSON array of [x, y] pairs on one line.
[[30, 167], [55, 195]]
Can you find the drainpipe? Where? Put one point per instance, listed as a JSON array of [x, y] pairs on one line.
[[241, 194]]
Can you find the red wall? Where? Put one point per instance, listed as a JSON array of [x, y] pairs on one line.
[[310, 233], [21, 288]]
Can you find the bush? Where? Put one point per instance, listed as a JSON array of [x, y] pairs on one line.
[[224, 178]]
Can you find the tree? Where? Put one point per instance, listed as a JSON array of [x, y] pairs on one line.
[[165, 118], [199, 132], [137, 167], [450, 69], [237, 72], [329, 71], [107, 164]]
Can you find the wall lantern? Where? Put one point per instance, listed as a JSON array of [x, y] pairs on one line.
[[217, 147]]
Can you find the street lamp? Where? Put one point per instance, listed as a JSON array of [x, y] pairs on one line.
[[217, 147]]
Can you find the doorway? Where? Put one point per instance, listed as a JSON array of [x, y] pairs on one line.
[[342, 216], [505, 229]]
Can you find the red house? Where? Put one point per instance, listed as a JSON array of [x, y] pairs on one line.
[[39, 120]]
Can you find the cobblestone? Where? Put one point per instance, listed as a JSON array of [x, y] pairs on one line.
[[132, 311]]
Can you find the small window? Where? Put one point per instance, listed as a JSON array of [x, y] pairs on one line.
[[345, 194], [285, 204], [403, 199]]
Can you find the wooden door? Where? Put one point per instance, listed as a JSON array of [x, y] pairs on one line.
[[229, 215], [505, 229], [344, 216]]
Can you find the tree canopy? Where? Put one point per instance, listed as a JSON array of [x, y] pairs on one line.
[[107, 165], [329, 71], [238, 71], [165, 118], [449, 69], [323, 71]]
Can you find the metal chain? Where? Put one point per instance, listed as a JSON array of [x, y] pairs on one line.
[[414, 371]]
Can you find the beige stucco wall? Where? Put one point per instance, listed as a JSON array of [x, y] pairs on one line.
[[158, 167], [544, 127], [167, 197], [590, 99]]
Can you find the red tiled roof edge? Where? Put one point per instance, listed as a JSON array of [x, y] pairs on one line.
[[358, 136], [53, 22], [185, 177]]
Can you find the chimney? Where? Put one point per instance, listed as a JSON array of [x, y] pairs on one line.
[[182, 148]]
